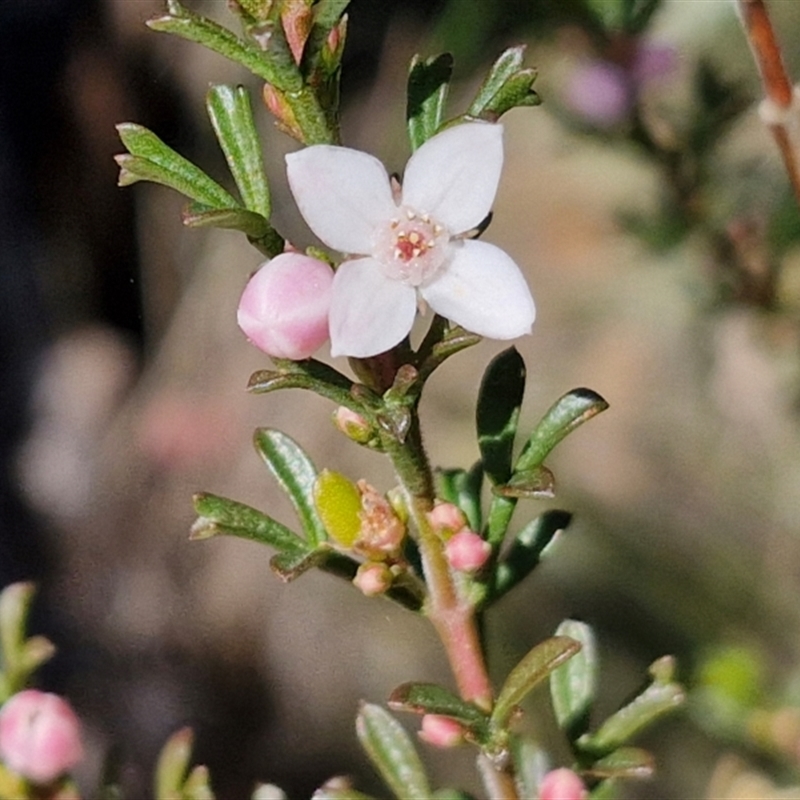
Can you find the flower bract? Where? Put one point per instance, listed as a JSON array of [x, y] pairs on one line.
[[409, 247]]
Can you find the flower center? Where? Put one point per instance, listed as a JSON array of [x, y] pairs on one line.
[[411, 246]]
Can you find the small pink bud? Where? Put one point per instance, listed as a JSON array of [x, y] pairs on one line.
[[562, 784], [441, 731], [466, 551], [373, 578], [39, 736], [352, 425], [446, 517], [284, 307], [600, 92]]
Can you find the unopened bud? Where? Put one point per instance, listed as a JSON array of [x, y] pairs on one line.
[[466, 551], [275, 100], [284, 307], [441, 731], [373, 578], [352, 425], [446, 519], [562, 784], [39, 736]]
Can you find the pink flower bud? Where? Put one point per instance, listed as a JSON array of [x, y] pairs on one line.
[[446, 517], [373, 578], [441, 731], [352, 425], [284, 307], [600, 92], [39, 736], [562, 784], [466, 551]]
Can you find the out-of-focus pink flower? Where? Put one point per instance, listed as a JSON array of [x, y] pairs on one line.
[[441, 731], [413, 245], [39, 736], [653, 61], [466, 551], [284, 307], [562, 784], [600, 92]]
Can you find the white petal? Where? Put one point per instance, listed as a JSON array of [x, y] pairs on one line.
[[454, 175], [343, 194], [482, 290], [369, 312]]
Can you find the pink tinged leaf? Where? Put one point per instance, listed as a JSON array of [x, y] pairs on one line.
[[454, 175], [483, 290], [297, 20], [284, 307], [343, 195], [370, 313]]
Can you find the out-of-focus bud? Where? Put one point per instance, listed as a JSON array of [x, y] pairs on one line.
[[441, 731], [373, 578], [382, 531], [599, 92], [39, 736], [466, 551], [352, 425], [446, 519], [284, 307], [562, 784]]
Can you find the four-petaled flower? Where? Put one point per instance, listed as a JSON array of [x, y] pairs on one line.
[[412, 245]]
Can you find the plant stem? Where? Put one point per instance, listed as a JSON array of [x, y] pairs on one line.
[[780, 110]]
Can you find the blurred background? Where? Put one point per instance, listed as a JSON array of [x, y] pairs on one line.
[[650, 211]]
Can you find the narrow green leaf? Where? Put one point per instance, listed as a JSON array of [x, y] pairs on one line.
[[573, 685], [537, 483], [311, 374], [151, 159], [610, 13], [232, 117], [526, 550], [530, 672], [463, 489], [625, 762], [390, 749], [173, 763], [657, 699], [196, 28], [218, 515], [532, 763], [327, 13], [452, 794], [566, 414], [509, 62], [637, 14], [288, 566], [296, 474], [239, 219], [497, 414], [429, 698], [428, 82]]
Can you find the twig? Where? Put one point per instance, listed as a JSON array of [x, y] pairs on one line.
[[780, 109]]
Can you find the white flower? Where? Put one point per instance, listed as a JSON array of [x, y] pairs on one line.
[[412, 245]]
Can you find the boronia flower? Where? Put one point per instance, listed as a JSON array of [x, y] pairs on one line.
[[412, 246]]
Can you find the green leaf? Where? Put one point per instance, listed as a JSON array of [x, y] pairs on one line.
[[625, 762], [295, 473], [463, 489], [573, 685], [338, 503], [173, 763], [390, 749], [429, 698], [339, 789], [531, 763], [219, 515], [530, 672], [288, 566], [327, 13], [151, 159], [566, 414], [637, 14], [660, 697], [179, 21], [232, 117], [239, 219], [499, 401], [506, 86], [428, 82], [536, 483], [526, 550]]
